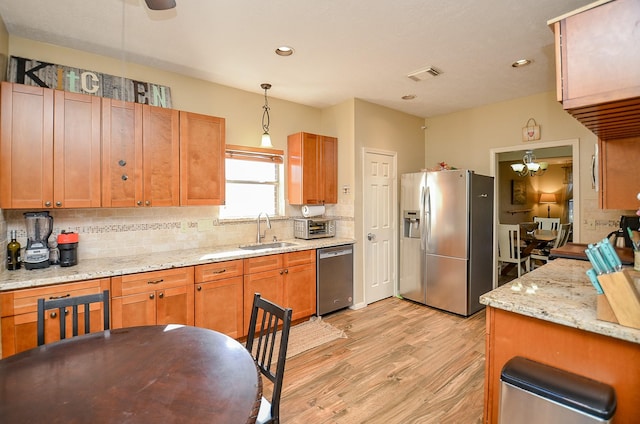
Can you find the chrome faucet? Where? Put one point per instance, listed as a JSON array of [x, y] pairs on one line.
[[259, 237]]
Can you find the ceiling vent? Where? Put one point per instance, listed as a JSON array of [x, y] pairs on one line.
[[424, 74]]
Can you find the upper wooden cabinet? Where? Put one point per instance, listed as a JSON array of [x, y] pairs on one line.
[[140, 155], [618, 180], [49, 148], [312, 169], [598, 67], [202, 156]]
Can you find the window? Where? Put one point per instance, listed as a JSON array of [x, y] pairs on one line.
[[254, 182]]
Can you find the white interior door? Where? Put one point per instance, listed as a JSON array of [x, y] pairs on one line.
[[380, 224]]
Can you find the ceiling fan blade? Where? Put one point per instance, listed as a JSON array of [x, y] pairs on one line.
[[160, 4]]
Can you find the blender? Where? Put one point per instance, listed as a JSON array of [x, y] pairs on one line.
[[39, 228]]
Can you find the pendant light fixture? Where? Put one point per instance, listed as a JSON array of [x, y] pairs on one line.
[[266, 138], [529, 166]]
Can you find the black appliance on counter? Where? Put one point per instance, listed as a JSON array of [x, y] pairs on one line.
[[626, 221]]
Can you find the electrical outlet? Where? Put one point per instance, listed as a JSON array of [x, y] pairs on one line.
[[205, 225]]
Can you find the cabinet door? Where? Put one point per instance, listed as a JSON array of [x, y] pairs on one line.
[[619, 183], [133, 310], [26, 147], [329, 167], [161, 156], [175, 305], [219, 306], [121, 153], [76, 154], [268, 284], [202, 156], [300, 290]]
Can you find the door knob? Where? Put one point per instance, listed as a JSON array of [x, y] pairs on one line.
[[371, 236]]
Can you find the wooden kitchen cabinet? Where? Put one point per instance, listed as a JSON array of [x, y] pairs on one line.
[[49, 148], [602, 358], [202, 159], [140, 155], [150, 298], [19, 318], [617, 170], [597, 67], [312, 169], [287, 279], [219, 297]]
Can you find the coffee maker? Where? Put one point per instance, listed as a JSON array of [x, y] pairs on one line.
[[39, 228]]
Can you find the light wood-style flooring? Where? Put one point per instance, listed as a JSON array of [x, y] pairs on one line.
[[401, 363]]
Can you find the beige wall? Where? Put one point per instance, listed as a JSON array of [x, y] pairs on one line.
[[464, 139], [381, 128]]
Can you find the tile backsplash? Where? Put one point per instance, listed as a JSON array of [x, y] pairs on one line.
[[105, 233]]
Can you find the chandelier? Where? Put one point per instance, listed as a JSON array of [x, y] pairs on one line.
[[529, 166]]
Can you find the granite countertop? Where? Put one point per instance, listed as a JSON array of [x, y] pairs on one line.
[[559, 292], [154, 261]]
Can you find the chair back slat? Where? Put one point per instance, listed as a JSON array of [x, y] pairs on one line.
[[62, 304]]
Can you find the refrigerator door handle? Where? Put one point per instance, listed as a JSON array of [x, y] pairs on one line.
[[427, 218]]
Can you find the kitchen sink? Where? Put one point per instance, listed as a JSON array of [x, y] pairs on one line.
[[264, 246]]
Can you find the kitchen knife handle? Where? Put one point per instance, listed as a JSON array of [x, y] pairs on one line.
[[594, 280], [609, 252]]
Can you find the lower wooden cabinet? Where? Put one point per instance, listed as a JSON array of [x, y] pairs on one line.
[[287, 279], [219, 297], [150, 298], [19, 318]]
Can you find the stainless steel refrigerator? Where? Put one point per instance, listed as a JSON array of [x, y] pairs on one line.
[[446, 245]]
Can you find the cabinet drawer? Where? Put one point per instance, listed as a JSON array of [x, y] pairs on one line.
[[262, 263], [154, 280], [26, 300], [299, 258], [218, 271]]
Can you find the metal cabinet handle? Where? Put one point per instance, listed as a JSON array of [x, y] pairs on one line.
[[286, 271], [122, 162], [161, 295], [281, 272], [155, 281], [139, 203], [199, 288], [47, 204], [219, 271], [58, 204], [151, 296], [59, 297], [124, 177], [147, 203]]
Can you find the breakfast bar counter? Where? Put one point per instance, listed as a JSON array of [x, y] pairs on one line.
[[549, 316]]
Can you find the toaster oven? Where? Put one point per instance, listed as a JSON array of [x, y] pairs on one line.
[[310, 228]]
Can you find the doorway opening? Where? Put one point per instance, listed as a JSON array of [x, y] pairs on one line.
[[522, 204]]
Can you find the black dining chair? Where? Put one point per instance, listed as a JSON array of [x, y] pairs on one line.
[[263, 345], [72, 302]]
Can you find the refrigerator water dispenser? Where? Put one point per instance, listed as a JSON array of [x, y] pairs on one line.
[[411, 224]]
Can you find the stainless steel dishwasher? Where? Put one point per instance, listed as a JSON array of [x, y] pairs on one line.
[[334, 278]]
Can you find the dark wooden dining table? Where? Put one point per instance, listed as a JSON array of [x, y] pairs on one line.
[[150, 374]]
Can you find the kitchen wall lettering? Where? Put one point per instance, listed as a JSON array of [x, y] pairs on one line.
[[76, 80]]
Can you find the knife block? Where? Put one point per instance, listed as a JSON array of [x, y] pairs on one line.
[[621, 301]]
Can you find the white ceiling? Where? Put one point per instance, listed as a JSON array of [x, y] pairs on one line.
[[343, 48]]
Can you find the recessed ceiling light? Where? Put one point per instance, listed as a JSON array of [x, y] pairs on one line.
[[284, 51], [521, 62], [409, 97]]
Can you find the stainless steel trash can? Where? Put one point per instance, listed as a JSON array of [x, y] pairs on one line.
[[534, 393]]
